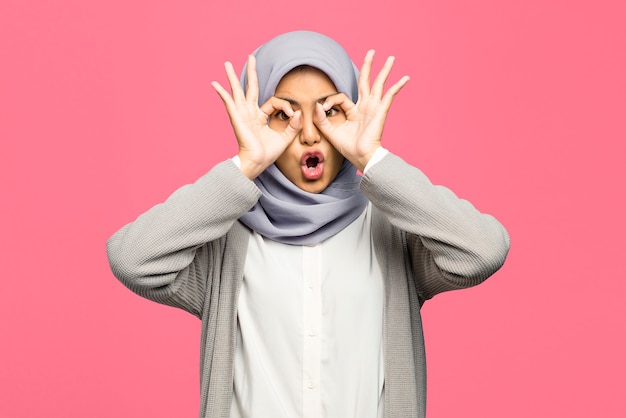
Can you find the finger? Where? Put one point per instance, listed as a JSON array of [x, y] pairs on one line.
[[252, 90], [340, 100], [322, 122], [224, 95], [364, 75], [394, 90], [233, 80], [294, 127], [274, 103], [379, 82]]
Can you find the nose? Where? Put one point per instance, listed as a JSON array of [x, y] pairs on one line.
[[309, 135]]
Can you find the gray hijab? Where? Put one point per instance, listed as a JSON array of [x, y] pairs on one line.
[[286, 213]]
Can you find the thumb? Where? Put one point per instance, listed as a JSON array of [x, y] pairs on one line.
[[322, 122], [294, 127]]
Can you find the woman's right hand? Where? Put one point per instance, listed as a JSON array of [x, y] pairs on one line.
[[259, 145]]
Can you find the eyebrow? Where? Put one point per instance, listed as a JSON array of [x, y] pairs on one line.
[[294, 102]]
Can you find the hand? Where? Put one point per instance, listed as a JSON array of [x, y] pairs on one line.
[[360, 135], [259, 145]]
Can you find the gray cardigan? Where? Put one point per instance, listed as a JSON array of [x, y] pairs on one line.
[[189, 252]]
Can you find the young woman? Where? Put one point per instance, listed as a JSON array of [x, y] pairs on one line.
[[308, 278]]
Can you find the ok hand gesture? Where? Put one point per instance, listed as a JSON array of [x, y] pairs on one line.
[[360, 135], [259, 145]]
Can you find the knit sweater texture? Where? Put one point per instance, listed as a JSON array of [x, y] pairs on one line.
[[189, 252]]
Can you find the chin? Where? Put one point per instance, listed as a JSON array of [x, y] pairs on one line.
[[313, 187]]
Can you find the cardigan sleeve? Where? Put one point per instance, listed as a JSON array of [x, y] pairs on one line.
[[450, 244], [164, 255]]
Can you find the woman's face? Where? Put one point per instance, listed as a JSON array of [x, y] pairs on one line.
[[310, 161]]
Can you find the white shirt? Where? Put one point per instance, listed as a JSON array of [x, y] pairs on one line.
[[310, 324]]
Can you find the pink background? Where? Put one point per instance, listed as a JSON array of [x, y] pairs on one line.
[[518, 106]]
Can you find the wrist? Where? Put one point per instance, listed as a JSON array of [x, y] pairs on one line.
[[378, 155], [249, 168], [362, 161]]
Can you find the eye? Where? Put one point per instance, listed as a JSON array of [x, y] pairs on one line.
[[332, 112], [280, 115]]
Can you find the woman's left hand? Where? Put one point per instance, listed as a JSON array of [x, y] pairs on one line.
[[360, 135]]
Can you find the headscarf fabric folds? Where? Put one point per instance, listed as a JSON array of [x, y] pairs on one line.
[[286, 213]]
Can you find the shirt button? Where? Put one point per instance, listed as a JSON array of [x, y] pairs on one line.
[[312, 333], [311, 385]]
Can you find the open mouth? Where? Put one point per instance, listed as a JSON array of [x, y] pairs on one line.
[[312, 164]]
